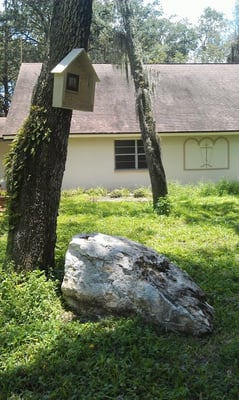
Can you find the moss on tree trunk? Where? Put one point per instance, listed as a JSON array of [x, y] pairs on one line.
[[36, 162], [144, 106]]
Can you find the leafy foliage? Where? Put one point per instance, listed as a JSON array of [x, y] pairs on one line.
[[24, 34], [213, 30], [163, 206]]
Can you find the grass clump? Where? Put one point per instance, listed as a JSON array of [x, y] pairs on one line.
[[99, 191], [117, 193], [142, 192], [47, 353], [73, 192]]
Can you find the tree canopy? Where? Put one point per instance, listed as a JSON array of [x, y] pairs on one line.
[[24, 37]]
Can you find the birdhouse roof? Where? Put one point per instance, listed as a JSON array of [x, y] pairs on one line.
[[70, 58]]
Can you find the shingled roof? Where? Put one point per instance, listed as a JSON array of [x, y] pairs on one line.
[[20, 105], [188, 98]]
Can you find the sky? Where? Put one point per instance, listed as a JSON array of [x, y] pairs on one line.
[[192, 9]]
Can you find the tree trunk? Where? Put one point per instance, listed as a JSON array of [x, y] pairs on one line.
[[233, 57], [36, 163], [144, 106], [5, 78]]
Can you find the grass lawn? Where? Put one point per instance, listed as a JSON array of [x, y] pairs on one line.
[[45, 354]]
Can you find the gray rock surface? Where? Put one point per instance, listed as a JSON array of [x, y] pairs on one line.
[[109, 275]]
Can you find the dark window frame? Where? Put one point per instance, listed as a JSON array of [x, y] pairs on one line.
[[129, 154], [72, 82]]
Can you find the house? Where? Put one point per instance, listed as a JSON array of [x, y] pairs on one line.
[[196, 108]]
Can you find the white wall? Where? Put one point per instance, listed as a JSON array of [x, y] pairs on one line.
[[90, 163], [182, 161], [4, 149]]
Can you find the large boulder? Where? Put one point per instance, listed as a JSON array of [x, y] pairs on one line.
[[109, 275]]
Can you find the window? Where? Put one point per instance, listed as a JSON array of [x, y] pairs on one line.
[[72, 82], [129, 154]]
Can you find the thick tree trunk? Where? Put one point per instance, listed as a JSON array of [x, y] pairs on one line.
[[36, 163], [144, 107]]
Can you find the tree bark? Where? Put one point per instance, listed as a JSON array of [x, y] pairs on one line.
[[233, 57], [144, 106], [5, 62], [36, 163]]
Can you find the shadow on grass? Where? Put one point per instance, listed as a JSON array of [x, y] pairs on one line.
[[218, 276], [223, 213], [121, 360], [127, 360], [107, 208]]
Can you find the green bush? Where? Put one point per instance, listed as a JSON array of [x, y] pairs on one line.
[[26, 298], [141, 192], [98, 191], [117, 193], [220, 188], [163, 206], [227, 187]]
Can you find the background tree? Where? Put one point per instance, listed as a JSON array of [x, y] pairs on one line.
[[32, 24], [7, 56], [143, 102], [213, 43], [36, 162], [162, 40], [233, 56], [101, 47], [180, 39], [24, 33]]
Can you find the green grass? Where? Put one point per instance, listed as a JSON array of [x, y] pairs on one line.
[[46, 354]]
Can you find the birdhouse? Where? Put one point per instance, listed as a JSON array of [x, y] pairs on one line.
[[74, 82]]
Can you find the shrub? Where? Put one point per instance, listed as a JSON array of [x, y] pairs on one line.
[[227, 187], [163, 206], [98, 191], [141, 192], [123, 192]]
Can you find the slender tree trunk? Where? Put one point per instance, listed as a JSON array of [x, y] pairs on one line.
[[233, 57], [6, 38], [36, 163], [144, 106]]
